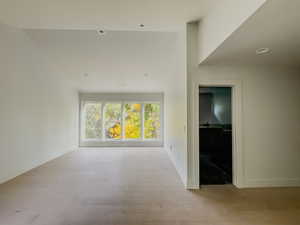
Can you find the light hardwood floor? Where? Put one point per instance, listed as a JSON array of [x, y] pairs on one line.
[[134, 187]]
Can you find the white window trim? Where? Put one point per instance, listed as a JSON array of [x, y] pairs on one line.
[[142, 98]]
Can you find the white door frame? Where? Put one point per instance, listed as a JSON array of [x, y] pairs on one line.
[[237, 144]]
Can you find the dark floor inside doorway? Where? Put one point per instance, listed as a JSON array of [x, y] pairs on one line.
[[216, 156]]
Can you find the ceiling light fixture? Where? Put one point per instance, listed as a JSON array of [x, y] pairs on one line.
[[101, 32], [262, 51]]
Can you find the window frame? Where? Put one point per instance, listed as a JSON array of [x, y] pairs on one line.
[[123, 98]]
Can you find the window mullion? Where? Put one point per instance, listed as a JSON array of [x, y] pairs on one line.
[[142, 120], [122, 122], [103, 121], [83, 121]]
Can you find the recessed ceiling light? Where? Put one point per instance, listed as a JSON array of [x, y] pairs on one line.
[[262, 51], [101, 32]]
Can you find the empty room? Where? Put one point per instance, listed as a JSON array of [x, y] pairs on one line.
[[149, 112]]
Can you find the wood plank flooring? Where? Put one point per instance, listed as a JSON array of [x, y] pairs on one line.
[[134, 187]]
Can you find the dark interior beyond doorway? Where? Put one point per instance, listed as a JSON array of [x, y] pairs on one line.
[[215, 131]]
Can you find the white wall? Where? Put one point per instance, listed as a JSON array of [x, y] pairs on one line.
[[118, 62], [270, 117], [218, 25], [270, 120], [36, 107]]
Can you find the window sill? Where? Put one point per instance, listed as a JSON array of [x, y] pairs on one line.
[[131, 143]]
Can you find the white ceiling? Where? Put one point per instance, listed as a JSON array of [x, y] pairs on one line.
[[128, 61], [276, 26], [106, 14]]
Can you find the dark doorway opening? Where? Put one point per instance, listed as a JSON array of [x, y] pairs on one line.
[[215, 134]]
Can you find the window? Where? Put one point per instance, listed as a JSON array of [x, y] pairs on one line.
[[152, 121], [121, 120], [93, 120], [133, 119], [113, 128]]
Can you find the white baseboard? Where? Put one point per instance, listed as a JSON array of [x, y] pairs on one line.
[[276, 182], [183, 179], [192, 187], [261, 183]]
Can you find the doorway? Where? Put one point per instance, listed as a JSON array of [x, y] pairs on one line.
[[215, 135]]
